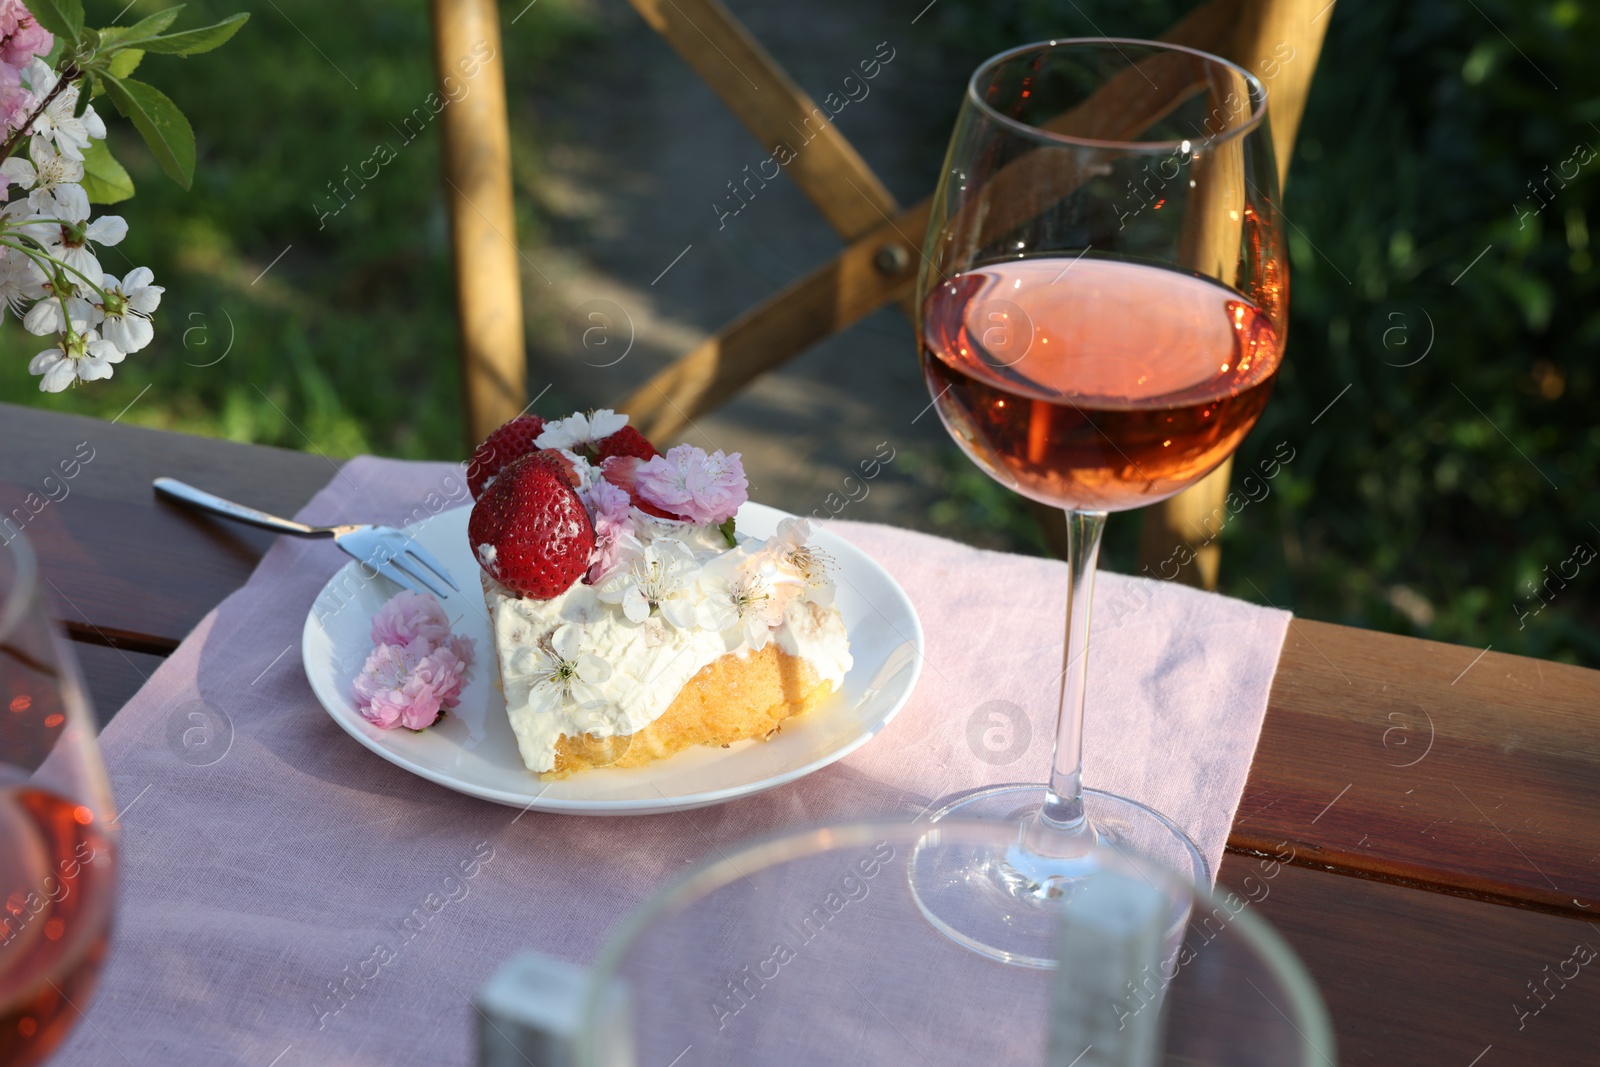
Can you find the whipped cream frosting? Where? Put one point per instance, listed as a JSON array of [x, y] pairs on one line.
[[553, 684]]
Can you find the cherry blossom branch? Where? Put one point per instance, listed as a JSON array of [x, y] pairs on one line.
[[39, 254], [66, 77]]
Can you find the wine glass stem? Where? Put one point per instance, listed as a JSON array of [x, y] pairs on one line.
[[1062, 812]]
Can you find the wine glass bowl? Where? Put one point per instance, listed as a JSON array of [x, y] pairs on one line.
[[1101, 318], [807, 948], [1101, 428], [57, 836]]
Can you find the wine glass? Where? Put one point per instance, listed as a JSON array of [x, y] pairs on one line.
[[57, 843], [1103, 294], [808, 949]]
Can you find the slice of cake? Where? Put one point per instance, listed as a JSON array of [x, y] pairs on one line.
[[631, 620]]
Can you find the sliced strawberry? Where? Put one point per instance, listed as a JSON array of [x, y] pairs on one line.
[[529, 530], [513, 439], [625, 442], [621, 471]]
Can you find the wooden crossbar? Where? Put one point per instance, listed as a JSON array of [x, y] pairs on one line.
[[776, 111], [875, 269], [837, 294]]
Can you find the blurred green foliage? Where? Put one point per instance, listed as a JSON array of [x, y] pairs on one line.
[[347, 342], [1440, 489]]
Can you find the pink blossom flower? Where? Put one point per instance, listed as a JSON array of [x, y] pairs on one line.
[[408, 617], [21, 36], [409, 686], [16, 103], [616, 544], [417, 669], [706, 489], [605, 501]]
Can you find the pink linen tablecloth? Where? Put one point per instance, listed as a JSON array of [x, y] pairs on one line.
[[264, 868]]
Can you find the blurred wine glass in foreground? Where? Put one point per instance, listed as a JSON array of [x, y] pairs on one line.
[[809, 949], [57, 849], [1103, 291]]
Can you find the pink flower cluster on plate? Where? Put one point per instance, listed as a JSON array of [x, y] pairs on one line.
[[417, 667]]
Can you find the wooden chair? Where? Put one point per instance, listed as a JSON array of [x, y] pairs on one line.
[[1278, 40]]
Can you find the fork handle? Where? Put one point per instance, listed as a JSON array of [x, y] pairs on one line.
[[187, 494]]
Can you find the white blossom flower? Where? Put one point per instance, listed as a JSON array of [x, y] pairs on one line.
[[70, 132], [126, 309], [20, 280], [81, 357], [588, 474], [789, 550], [51, 180], [577, 431], [72, 246], [52, 314], [739, 594], [661, 579], [560, 671]]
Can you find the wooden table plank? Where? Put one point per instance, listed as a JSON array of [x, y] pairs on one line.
[[125, 569], [1419, 761], [112, 676], [1428, 980]]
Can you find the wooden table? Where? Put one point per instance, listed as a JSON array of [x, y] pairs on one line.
[[1436, 808]]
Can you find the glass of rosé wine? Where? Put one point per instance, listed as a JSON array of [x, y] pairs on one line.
[[57, 843], [1102, 315]]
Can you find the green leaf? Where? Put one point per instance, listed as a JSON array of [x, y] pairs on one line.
[[727, 532], [144, 29], [159, 121], [193, 42], [64, 18], [125, 62], [104, 179]]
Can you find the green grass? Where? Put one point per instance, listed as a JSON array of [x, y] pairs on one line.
[[346, 343]]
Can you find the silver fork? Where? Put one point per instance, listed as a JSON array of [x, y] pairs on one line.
[[385, 549]]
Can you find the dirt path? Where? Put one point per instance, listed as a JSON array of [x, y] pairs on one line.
[[635, 154]]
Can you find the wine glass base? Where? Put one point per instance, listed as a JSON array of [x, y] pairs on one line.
[[1005, 905]]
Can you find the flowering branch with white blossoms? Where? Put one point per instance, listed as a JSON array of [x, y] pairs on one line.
[[51, 65]]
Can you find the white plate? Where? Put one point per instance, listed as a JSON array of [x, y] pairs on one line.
[[473, 751]]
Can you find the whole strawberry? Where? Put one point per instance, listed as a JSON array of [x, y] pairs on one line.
[[513, 439], [555, 461], [625, 442], [530, 531]]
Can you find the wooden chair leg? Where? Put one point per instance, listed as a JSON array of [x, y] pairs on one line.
[[1279, 41], [1177, 536], [469, 63]]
